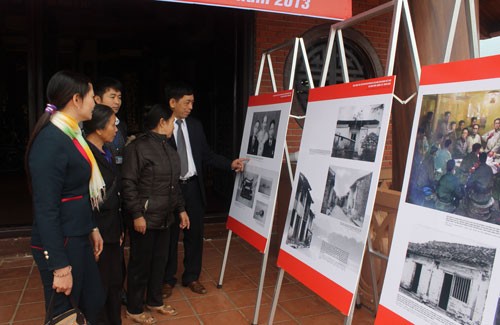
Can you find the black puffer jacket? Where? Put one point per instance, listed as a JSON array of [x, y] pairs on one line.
[[150, 180]]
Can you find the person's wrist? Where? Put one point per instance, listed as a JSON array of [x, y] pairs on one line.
[[96, 229], [61, 273]]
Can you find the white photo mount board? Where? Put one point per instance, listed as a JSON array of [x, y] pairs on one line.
[[458, 281], [335, 186], [254, 195]]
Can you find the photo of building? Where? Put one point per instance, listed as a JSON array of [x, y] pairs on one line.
[[300, 228], [346, 193], [451, 278], [357, 132]]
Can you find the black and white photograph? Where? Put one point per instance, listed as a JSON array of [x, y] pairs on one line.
[[456, 158], [247, 185], [449, 274], [357, 132], [263, 133], [346, 194], [301, 219], [260, 212], [265, 185]]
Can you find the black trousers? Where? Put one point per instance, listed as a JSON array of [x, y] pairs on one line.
[[193, 238], [110, 267], [146, 267], [87, 290]]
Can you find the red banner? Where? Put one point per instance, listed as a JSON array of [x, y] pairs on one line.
[[329, 9]]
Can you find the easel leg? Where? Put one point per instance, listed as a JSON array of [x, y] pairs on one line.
[[277, 290], [261, 287], [224, 261]]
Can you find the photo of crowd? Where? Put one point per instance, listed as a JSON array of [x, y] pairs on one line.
[[456, 159]]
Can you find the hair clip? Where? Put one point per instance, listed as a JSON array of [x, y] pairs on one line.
[[50, 108]]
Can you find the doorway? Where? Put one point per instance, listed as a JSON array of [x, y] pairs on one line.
[[144, 44]]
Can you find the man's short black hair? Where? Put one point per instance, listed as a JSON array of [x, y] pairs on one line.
[[450, 164], [482, 157], [178, 90], [102, 84], [476, 147]]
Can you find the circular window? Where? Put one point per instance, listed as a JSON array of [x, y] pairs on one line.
[[362, 63]]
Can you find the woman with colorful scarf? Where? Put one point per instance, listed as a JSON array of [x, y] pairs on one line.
[[66, 185]]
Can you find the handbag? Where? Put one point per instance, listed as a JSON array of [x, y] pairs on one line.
[[70, 317]]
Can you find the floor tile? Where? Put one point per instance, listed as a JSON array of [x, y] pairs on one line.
[[288, 291], [10, 298], [30, 311], [234, 303], [280, 315], [15, 272], [12, 284], [323, 319], [6, 313], [232, 317], [246, 298], [16, 262], [32, 295], [236, 284], [36, 321], [230, 271], [190, 320], [211, 303], [34, 281], [305, 306]]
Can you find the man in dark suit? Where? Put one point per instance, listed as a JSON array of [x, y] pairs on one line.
[[190, 141], [253, 143], [271, 141]]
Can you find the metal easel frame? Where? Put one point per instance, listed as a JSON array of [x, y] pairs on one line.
[[266, 57], [400, 10]]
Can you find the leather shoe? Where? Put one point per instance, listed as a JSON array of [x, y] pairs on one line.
[[166, 290], [197, 287]]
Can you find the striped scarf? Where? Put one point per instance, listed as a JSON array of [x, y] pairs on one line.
[[70, 127]]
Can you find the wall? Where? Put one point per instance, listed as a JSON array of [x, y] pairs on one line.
[[274, 29]]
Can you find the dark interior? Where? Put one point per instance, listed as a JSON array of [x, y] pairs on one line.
[[144, 44]]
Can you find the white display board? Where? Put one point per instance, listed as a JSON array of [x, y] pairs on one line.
[[443, 266], [254, 195], [335, 186]]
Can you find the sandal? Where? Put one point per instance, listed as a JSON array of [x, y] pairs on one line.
[[142, 318], [164, 310]]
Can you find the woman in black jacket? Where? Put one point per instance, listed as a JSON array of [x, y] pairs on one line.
[[152, 197], [101, 129]]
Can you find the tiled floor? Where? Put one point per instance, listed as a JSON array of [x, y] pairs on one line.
[[21, 299]]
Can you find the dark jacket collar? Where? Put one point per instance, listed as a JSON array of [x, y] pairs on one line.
[[156, 136]]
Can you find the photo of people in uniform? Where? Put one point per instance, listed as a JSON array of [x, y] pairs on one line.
[[456, 157], [264, 129]]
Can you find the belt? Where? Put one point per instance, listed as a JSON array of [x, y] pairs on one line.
[[187, 180]]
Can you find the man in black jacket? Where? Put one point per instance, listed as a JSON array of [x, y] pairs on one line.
[[191, 143]]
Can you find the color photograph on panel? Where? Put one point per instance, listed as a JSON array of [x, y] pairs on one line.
[[334, 187], [254, 194], [458, 126], [442, 265]]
